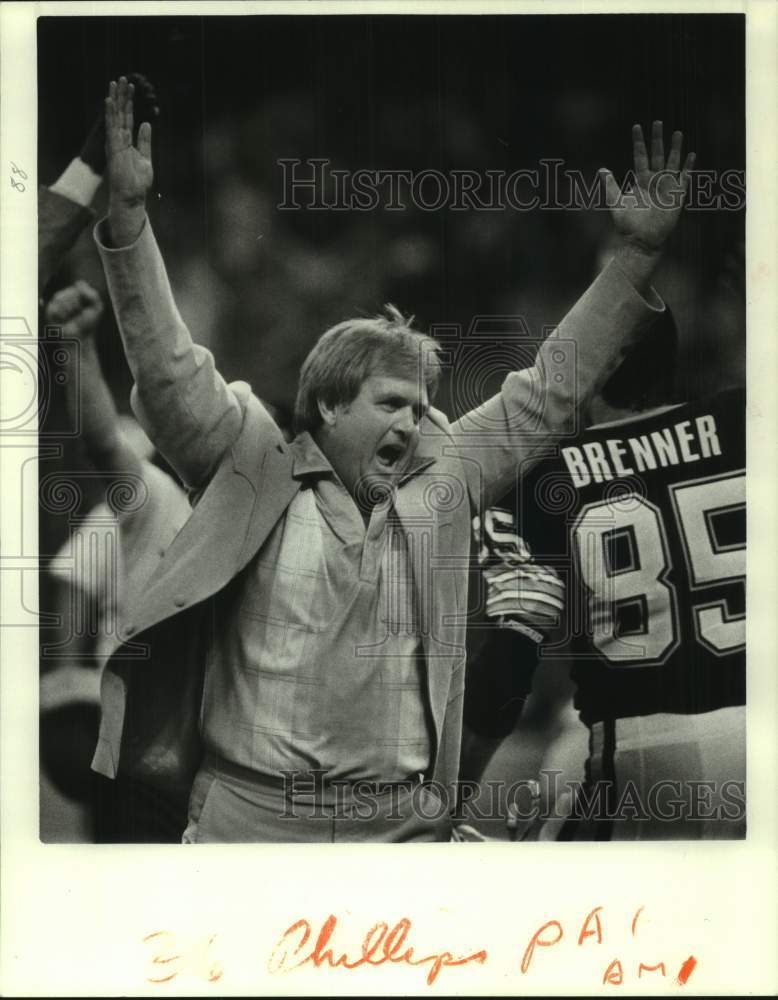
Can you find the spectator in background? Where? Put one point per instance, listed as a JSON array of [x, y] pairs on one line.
[[107, 560], [68, 695]]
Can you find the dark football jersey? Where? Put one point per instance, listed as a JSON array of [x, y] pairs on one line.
[[645, 519]]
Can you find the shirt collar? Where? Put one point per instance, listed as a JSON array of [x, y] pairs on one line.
[[309, 460]]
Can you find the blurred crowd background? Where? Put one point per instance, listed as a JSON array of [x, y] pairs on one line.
[[258, 285]]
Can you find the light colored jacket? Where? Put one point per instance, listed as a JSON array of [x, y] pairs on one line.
[[223, 443]]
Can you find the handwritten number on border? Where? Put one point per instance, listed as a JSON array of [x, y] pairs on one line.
[[17, 184]]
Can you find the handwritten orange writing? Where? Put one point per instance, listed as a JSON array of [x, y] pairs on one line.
[[380, 945], [686, 970], [538, 939], [614, 974], [659, 967], [586, 932], [551, 933], [306, 943], [167, 953]]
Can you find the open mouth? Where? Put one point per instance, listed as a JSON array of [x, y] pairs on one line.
[[389, 455]]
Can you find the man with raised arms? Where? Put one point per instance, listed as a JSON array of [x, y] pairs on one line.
[[304, 633]]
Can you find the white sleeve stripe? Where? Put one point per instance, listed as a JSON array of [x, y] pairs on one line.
[[526, 595], [537, 574]]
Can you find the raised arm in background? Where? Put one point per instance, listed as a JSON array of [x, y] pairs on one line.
[[77, 310], [64, 207]]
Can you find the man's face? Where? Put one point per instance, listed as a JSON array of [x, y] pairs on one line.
[[372, 439]]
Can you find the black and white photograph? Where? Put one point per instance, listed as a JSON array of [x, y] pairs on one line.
[[360, 361], [384, 456]]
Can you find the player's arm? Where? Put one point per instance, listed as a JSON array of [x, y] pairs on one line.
[[533, 407], [64, 208], [77, 310], [183, 403], [524, 605], [497, 685]]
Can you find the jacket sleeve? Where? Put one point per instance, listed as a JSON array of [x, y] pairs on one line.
[[60, 223], [181, 400], [537, 407]]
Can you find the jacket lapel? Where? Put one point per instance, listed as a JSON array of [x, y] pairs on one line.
[[227, 527], [275, 492], [429, 533]]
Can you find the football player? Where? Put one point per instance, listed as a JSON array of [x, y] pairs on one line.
[[625, 556]]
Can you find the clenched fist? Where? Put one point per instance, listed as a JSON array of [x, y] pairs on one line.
[[77, 309]]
